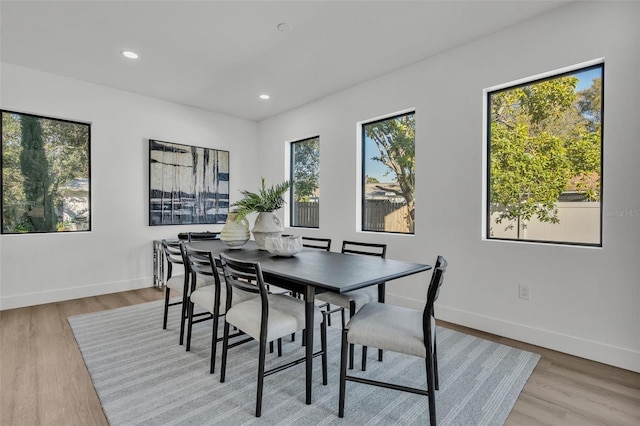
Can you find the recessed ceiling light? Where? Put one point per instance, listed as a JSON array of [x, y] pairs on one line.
[[129, 54], [264, 97], [284, 27]]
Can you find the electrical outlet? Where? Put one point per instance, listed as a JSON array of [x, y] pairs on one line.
[[525, 292]]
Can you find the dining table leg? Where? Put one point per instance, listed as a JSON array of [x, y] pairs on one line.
[[308, 321], [381, 293]]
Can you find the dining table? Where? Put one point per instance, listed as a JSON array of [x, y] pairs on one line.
[[314, 271]]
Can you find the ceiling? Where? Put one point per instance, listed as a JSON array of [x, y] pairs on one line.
[[221, 55]]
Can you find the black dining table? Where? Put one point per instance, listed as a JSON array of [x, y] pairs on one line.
[[315, 271]]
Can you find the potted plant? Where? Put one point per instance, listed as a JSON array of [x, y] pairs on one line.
[[265, 203]]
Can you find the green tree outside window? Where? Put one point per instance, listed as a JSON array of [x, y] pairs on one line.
[[393, 142], [305, 180], [45, 174], [545, 138]]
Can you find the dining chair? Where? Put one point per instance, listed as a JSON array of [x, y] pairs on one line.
[[265, 318], [314, 243], [354, 300], [211, 298], [317, 243], [397, 329], [177, 283], [176, 257]]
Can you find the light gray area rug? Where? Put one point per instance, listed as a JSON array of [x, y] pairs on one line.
[[143, 377]]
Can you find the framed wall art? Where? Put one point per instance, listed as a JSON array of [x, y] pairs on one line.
[[187, 184]]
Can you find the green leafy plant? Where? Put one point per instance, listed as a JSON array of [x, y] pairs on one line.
[[267, 200]]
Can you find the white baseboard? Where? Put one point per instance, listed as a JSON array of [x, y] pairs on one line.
[[595, 351], [58, 295]]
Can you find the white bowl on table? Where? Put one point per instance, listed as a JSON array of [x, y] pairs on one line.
[[284, 246]]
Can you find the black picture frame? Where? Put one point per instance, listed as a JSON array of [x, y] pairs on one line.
[[187, 184]]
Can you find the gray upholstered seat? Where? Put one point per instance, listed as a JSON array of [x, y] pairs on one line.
[[286, 316], [396, 329], [205, 297], [358, 297], [388, 327], [176, 283]]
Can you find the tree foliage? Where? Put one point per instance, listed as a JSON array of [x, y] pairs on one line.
[[35, 170], [13, 199], [69, 153], [544, 139], [306, 168], [589, 105], [40, 156], [395, 140]]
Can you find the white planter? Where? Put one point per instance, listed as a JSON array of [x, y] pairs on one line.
[[267, 225], [235, 233]]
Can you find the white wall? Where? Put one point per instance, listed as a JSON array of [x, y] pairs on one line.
[[117, 254], [584, 301]]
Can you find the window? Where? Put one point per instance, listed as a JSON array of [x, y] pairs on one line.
[[305, 183], [388, 167], [544, 168], [45, 174]]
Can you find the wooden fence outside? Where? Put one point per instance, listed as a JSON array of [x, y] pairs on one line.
[[385, 216], [579, 221], [380, 215], [306, 214]]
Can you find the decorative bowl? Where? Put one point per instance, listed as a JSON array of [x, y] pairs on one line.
[[284, 246]]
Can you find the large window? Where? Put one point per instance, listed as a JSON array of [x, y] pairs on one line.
[[45, 174], [544, 165], [388, 170], [305, 183]]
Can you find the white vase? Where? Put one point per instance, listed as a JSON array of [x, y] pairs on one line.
[[235, 233], [267, 225]]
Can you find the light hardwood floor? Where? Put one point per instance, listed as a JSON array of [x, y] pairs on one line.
[[43, 379]]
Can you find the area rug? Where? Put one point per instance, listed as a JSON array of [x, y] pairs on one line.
[[143, 377]]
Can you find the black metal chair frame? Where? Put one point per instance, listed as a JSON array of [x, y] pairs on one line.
[[317, 243], [355, 247], [174, 255], [431, 359], [203, 263], [247, 276], [314, 243]]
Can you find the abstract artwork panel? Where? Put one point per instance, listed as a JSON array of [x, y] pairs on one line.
[[187, 184]]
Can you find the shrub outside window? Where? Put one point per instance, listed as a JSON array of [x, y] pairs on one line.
[[545, 159], [305, 183], [45, 174], [388, 174]]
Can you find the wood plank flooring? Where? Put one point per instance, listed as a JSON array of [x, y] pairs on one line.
[[43, 379]]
